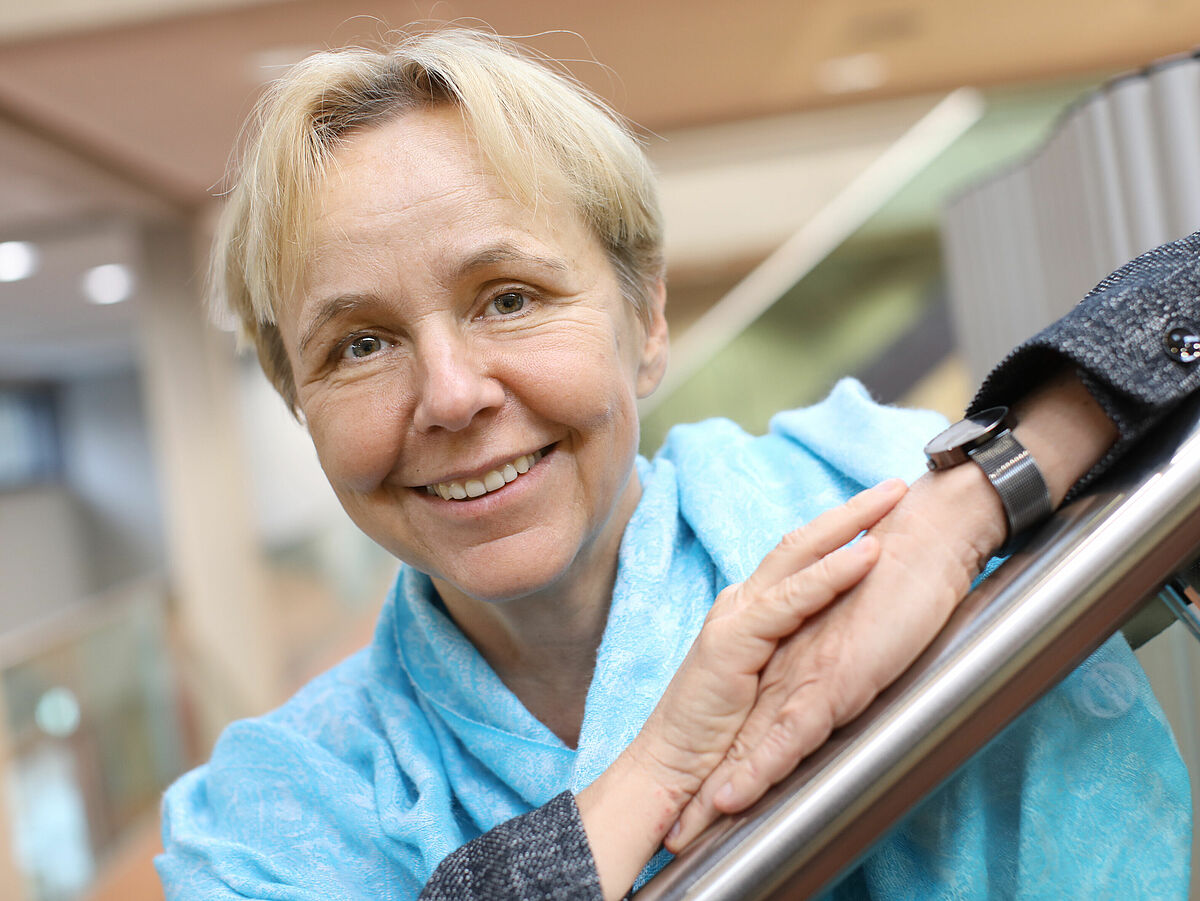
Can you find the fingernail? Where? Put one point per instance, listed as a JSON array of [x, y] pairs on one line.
[[887, 486], [675, 830], [724, 795], [865, 545]]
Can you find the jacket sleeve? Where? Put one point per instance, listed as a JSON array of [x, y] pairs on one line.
[[1118, 339], [543, 854]]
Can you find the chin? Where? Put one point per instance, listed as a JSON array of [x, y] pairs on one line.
[[506, 583], [551, 556]]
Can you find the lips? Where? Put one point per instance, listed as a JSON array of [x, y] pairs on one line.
[[493, 480]]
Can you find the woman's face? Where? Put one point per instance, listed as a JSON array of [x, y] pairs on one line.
[[445, 335]]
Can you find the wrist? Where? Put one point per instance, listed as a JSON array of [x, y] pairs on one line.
[[1065, 430], [969, 509], [985, 438], [642, 780], [1025, 460], [627, 813]]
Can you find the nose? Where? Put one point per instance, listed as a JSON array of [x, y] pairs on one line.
[[455, 385]]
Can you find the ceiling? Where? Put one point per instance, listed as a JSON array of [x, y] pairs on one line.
[[128, 108], [152, 92]]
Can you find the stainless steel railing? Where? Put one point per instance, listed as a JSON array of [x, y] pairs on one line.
[[1054, 602]]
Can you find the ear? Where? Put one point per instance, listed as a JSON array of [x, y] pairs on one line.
[[655, 348]]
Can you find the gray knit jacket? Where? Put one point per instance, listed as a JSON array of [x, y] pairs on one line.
[[1119, 339]]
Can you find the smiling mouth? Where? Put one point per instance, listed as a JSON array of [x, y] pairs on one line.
[[468, 489]]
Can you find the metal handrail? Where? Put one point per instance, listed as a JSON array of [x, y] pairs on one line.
[[1037, 617]]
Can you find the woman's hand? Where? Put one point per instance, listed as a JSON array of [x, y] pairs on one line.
[[629, 809], [933, 544]]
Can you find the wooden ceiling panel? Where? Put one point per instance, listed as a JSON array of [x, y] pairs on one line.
[[161, 101]]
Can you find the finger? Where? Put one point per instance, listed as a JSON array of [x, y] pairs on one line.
[[799, 689], [773, 741], [829, 531], [808, 694], [700, 811], [783, 607], [796, 733], [780, 613]]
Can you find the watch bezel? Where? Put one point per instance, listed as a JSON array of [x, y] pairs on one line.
[[989, 423]]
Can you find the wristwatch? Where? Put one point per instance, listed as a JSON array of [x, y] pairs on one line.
[[987, 439]]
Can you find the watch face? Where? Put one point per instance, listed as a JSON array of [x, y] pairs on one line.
[[967, 432]]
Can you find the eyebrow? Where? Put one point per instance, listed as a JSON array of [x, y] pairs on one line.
[[508, 253], [481, 259], [331, 309]]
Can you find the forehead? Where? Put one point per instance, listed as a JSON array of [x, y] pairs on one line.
[[410, 210], [414, 156], [421, 180]]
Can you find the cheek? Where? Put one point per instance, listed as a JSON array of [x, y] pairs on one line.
[[585, 386], [357, 439], [595, 397], [592, 366]]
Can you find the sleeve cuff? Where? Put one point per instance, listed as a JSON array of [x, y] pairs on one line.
[[1114, 339], [540, 854]]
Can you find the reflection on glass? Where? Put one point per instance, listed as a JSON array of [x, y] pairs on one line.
[[53, 844]]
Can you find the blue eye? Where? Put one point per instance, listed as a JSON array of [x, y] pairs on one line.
[[508, 303], [363, 346]]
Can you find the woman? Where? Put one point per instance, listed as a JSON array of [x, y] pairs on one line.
[[449, 260]]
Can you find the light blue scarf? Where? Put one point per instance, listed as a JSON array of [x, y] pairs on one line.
[[359, 785]]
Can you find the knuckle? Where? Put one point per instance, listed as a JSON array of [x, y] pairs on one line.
[[832, 650], [748, 766], [750, 734], [740, 750], [776, 596], [797, 542], [726, 599], [809, 726], [814, 586], [783, 732], [778, 753], [824, 571], [710, 640]]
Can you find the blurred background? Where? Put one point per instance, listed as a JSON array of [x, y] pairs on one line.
[[170, 557]]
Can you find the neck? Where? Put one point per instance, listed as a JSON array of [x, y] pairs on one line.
[[543, 645], [543, 649]]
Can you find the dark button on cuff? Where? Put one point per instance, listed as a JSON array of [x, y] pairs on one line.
[[1183, 343]]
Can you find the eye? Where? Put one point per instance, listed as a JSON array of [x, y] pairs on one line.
[[508, 303], [363, 346]]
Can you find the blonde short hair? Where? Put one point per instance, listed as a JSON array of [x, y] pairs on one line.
[[545, 135]]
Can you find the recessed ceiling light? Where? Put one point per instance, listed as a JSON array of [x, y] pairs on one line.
[[110, 283], [18, 260], [847, 74]]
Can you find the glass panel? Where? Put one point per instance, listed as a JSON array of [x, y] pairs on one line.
[[96, 736]]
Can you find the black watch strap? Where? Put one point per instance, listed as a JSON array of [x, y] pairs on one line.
[[1016, 477]]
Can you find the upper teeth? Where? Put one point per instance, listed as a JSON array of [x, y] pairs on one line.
[[497, 478]]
